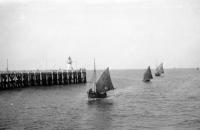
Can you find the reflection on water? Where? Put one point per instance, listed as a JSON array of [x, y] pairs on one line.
[[169, 102], [100, 113], [100, 103]]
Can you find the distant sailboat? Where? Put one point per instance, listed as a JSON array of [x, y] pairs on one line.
[[159, 70], [147, 75], [101, 86]]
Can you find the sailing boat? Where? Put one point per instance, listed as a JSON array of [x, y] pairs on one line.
[[159, 70], [147, 75], [101, 86]]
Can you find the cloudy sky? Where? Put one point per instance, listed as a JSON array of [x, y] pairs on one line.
[[120, 34]]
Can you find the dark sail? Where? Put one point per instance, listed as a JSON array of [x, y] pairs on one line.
[[147, 75], [104, 83], [150, 74]]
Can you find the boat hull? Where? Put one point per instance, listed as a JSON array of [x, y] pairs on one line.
[[147, 80], [157, 74], [96, 95]]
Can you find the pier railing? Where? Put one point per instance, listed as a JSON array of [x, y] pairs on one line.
[[18, 79]]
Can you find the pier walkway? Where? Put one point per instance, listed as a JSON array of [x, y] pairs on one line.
[[19, 79]]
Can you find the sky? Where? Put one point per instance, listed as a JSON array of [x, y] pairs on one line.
[[120, 34]]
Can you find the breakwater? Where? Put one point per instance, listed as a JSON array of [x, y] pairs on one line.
[[19, 79]]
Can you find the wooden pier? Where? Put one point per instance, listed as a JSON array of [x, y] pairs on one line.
[[19, 79]]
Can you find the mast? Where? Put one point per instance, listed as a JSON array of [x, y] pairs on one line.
[[94, 76]]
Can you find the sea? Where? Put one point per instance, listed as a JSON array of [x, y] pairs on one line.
[[168, 102]]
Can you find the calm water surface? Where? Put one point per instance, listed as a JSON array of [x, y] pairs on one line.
[[168, 102]]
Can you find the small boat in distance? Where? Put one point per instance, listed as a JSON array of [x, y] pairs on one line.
[[101, 86], [159, 70], [147, 75]]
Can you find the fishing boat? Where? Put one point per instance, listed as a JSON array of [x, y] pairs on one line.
[[147, 75], [159, 70], [100, 86]]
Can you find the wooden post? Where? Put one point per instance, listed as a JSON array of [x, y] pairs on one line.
[[8, 79], [46, 75], [0, 81], [62, 77], [52, 77], [34, 79], [57, 77]]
